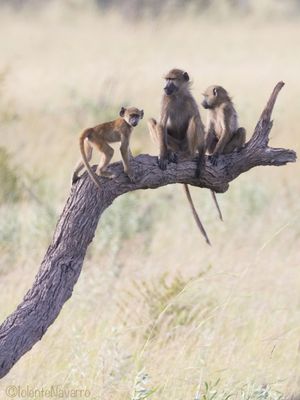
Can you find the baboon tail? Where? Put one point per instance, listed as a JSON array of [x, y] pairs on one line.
[[92, 174], [200, 160], [198, 166], [195, 214], [216, 204]]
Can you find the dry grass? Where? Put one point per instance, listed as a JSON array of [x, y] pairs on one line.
[[155, 312]]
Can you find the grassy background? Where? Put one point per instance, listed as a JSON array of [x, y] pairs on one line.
[[155, 313]]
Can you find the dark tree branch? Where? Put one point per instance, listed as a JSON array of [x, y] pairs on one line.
[[260, 136], [76, 227]]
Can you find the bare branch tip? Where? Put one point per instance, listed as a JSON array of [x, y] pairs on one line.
[[279, 86]]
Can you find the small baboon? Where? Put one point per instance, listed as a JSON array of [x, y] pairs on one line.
[[223, 134], [180, 129], [100, 136]]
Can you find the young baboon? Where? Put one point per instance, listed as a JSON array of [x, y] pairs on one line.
[[180, 129], [100, 136], [223, 134]]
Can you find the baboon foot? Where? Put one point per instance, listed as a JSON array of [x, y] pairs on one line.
[[169, 157], [131, 176], [75, 178], [162, 163]]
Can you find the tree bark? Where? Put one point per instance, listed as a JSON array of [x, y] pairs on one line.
[[76, 227]]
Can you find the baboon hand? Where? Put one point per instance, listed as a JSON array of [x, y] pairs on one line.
[[214, 159], [172, 157]]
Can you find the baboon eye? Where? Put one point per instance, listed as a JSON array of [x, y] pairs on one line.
[[215, 92]]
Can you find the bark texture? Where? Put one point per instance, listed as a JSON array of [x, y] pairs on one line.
[[76, 227]]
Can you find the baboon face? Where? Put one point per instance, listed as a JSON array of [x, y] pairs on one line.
[[176, 79], [131, 115], [213, 96]]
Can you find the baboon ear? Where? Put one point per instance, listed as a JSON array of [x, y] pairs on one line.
[[215, 92], [122, 112], [186, 76], [142, 114]]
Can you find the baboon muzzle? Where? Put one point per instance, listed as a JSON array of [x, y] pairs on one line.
[[170, 88], [205, 104], [134, 121]]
